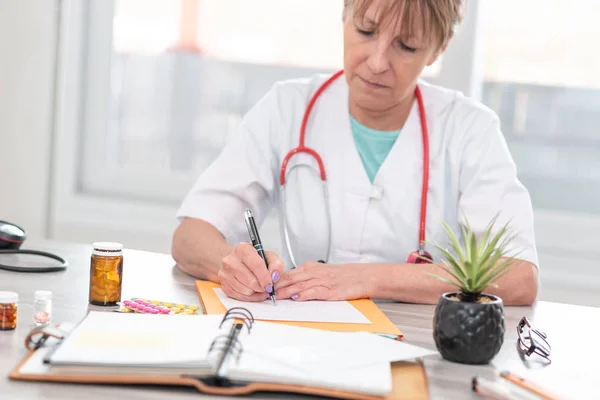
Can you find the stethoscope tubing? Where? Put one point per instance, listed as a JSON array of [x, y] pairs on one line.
[[414, 257], [286, 234], [14, 268]]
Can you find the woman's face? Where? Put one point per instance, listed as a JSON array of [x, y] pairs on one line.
[[381, 65]]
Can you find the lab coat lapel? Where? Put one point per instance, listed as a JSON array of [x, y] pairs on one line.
[[348, 183], [400, 177]]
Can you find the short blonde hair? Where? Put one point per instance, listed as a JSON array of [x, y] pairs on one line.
[[433, 20]]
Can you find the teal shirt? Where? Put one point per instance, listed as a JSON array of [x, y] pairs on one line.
[[373, 146]]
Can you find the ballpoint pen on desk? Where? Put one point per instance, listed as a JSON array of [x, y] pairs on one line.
[[255, 239], [528, 385], [500, 390]]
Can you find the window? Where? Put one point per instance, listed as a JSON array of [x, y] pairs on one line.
[[541, 77], [175, 79]]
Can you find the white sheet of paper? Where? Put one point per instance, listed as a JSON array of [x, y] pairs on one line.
[[304, 311], [315, 349], [139, 339], [374, 379]]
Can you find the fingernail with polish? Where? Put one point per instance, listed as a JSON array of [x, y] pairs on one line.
[[269, 288], [267, 295], [275, 276], [295, 297]]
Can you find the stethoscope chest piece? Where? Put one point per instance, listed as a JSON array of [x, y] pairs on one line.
[[419, 257], [11, 238]]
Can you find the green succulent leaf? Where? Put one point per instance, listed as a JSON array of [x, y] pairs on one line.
[[454, 241], [451, 272], [481, 261], [441, 278], [454, 264]]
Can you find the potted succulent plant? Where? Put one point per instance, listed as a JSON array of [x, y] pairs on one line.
[[469, 324]]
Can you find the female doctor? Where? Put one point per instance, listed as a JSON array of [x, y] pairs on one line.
[[362, 166]]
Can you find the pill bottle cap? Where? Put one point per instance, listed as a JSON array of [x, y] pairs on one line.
[[108, 249], [8, 297], [43, 295]]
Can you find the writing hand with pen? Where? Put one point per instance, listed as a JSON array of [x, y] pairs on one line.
[[249, 273], [243, 275]]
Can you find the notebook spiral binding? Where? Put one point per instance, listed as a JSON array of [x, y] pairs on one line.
[[228, 344], [239, 312]]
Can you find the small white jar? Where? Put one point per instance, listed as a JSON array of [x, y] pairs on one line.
[[42, 307]]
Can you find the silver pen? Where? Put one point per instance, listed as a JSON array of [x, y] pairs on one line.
[[255, 239]]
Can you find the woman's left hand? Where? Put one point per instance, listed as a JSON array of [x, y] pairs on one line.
[[317, 281]]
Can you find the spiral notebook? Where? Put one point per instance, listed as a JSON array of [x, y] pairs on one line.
[[218, 354]]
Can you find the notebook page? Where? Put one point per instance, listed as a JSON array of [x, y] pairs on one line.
[[314, 349], [306, 311], [374, 379], [143, 340]]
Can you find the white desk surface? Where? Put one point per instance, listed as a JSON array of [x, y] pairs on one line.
[[572, 332]]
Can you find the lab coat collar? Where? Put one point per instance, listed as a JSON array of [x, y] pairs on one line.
[[405, 160]]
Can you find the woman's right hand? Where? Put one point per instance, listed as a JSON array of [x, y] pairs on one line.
[[244, 276]]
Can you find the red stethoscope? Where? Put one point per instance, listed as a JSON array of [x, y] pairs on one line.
[[420, 256]]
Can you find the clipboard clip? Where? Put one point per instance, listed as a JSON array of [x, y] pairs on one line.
[[37, 337]]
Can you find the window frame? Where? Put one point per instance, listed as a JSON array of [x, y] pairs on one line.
[[75, 215]]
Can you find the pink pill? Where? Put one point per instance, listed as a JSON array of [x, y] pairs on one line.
[[154, 311], [127, 303], [140, 301], [147, 309], [165, 310]]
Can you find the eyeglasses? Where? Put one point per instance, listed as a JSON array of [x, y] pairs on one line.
[[532, 340]]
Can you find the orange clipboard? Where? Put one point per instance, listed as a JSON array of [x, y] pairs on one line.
[[380, 323]]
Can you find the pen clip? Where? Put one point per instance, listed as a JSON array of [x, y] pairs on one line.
[[250, 231]]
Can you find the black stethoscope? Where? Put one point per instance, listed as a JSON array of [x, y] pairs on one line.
[[11, 239]]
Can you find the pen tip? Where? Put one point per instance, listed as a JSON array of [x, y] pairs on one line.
[[247, 213], [274, 300]]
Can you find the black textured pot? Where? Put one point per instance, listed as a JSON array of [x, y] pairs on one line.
[[468, 332]]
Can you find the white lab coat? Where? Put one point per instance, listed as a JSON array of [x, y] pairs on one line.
[[471, 174]]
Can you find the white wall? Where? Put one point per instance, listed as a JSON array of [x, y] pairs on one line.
[[27, 57]]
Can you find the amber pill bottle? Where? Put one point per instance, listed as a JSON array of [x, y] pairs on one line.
[[106, 274], [8, 310]]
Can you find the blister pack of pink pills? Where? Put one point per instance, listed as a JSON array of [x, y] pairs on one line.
[[142, 306]]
